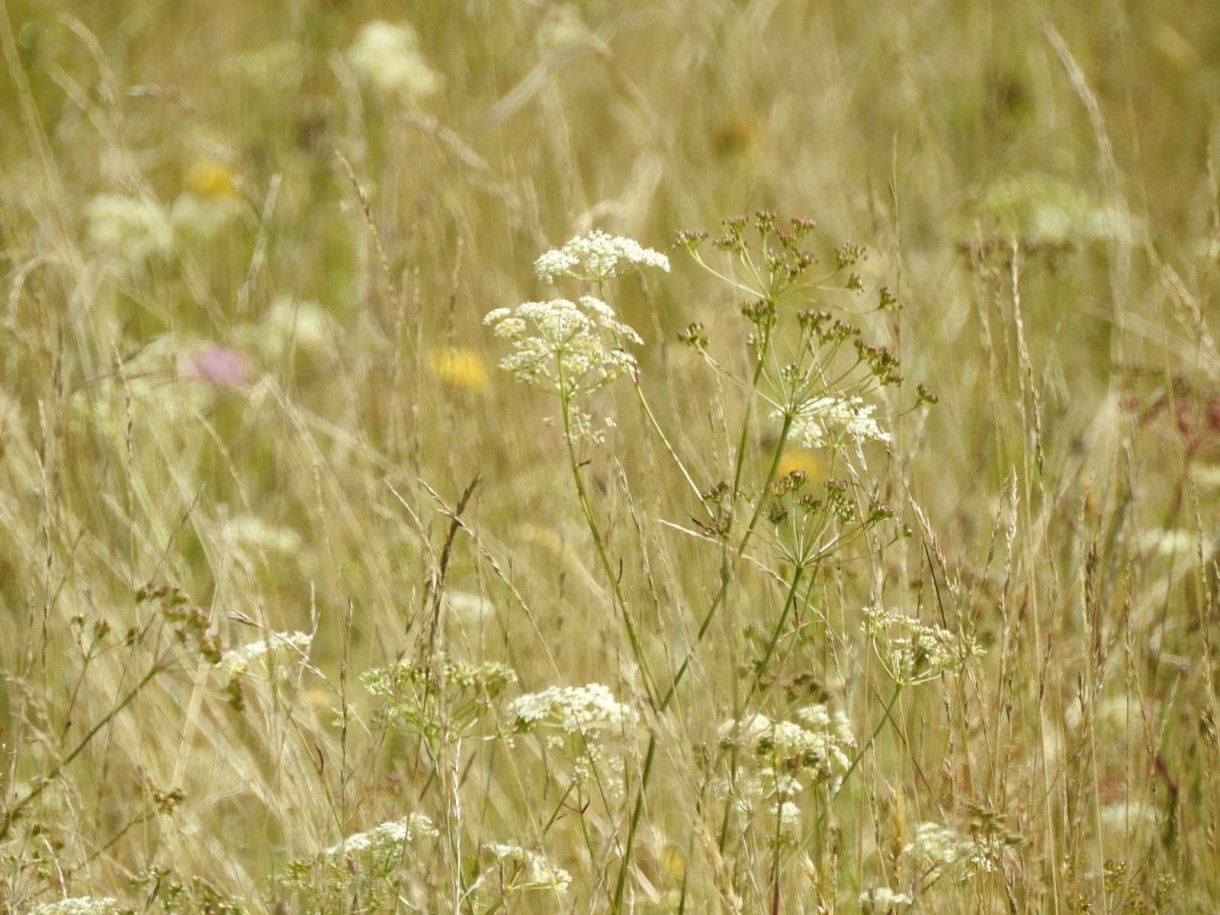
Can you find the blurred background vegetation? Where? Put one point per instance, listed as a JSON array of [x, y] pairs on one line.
[[245, 269]]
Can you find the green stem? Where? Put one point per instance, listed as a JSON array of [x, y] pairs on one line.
[[789, 603], [743, 440], [717, 600], [13, 813], [872, 737], [784, 431], [616, 589], [621, 884], [656, 427]]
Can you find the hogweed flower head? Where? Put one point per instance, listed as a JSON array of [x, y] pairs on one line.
[[912, 652], [271, 654], [836, 421], [770, 253], [939, 851], [79, 905], [410, 691], [384, 845], [597, 257], [133, 229], [882, 900], [573, 709], [522, 869], [934, 845], [790, 756], [387, 56], [565, 348], [580, 722]]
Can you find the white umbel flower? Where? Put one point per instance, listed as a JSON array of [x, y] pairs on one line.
[[913, 652], [272, 655], [882, 900], [79, 905], [387, 56], [836, 421], [596, 257], [386, 840], [564, 347], [527, 870], [132, 229], [792, 756], [574, 709]]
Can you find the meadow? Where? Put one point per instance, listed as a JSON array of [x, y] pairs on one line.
[[744, 456]]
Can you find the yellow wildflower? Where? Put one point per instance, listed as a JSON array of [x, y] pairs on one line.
[[209, 178], [458, 365]]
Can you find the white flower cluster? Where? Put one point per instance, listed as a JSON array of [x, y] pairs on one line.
[[882, 900], [387, 56], [129, 228], [79, 905], [596, 257], [301, 326], [523, 869], [565, 348], [790, 757], [939, 850], [912, 652], [384, 844], [274, 653], [414, 694], [585, 428], [935, 845], [390, 682], [834, 421], [573, 709]]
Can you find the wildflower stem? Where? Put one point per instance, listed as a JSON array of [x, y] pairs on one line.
[[784, 432], [885, 716], [14, 812], [717, 601], [789, 603], [656, 426], [620, 602], [636, 812], [740, 463], [725, 571]]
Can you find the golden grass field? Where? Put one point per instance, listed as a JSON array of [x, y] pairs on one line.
[[307, 605]]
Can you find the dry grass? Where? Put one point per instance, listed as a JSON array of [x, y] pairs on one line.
[[247, 389]]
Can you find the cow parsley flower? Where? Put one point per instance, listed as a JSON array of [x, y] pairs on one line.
[[835, 421], [597, 257], [882, 900], [563, 347], [939, 850], [912, 652], [289, 326], [791, 756], [523, 869], [271, 654], [79, 905], [387, 56], [132, 229], [573, 709], [409, 692], [384, 844], [934, 846]]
